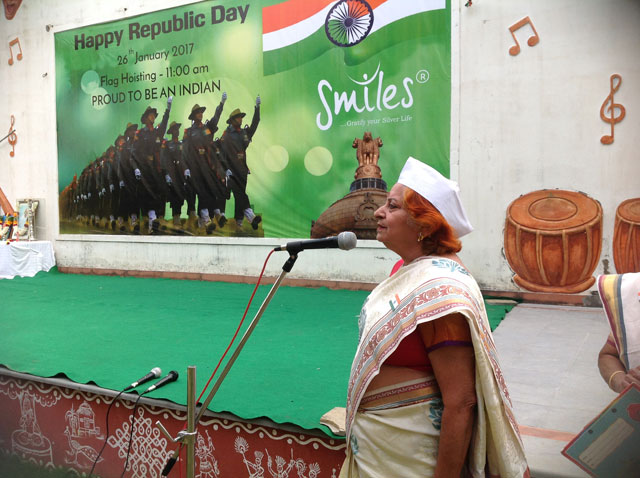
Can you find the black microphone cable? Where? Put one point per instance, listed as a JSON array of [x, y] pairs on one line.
[[171, 377], [156, 371], [133, 424], [95, 462]]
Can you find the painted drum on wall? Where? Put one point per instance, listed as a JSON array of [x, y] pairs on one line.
[[626, 237], [553, 239]]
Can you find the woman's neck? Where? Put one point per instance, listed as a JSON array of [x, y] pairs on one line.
[[452, 256], [409, 258]]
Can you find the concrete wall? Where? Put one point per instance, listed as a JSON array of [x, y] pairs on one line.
[[519, 123], [532, 121]]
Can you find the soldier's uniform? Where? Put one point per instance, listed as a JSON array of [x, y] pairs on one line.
[[152, 191], [207, 172], [83, 190], [127, 187], [173, 168], [109, 181], [234, 143]]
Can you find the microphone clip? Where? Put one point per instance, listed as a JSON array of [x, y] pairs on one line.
[[288, 265], [180, 437]]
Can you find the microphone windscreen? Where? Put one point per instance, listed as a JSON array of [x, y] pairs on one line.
[[347, 240]]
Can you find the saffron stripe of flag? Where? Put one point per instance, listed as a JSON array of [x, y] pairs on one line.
[[296, 32], [285, 14]]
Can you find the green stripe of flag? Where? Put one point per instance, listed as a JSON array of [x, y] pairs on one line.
[[292, 56], [434, 26]]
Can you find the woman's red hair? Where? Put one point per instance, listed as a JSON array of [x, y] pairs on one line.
[[441, 238]]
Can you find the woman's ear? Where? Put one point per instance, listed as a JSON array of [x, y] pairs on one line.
[[425, 231]]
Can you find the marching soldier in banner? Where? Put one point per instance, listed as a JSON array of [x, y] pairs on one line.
[[82, 193], [151, 189], [126, 180], [173, 169], [100, 190], [109, 181], [85, 193], [234, 142], [204, 171], [93, 203], [72, 200]]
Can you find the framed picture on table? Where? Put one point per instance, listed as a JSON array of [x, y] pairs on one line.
[[26, 212]]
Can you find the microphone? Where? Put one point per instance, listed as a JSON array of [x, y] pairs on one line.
[[171, 377], [155, 373], [345, 241]]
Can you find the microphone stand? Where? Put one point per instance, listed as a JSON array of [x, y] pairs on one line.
[[188, 437]]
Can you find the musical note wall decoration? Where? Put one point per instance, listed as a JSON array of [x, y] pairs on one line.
[[12, 137], [532, 41], [616, 111], [13, 42]]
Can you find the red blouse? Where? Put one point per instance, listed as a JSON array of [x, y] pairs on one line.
[[414, 349]]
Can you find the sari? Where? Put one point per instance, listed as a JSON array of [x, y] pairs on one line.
[[393, 430], [620, 295]]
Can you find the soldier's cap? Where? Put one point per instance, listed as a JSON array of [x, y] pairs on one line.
[[196, 109], [147, 112], [174, 126], [235, 113], [131, 126]]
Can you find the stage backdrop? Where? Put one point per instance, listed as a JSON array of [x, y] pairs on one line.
[[326, 73]]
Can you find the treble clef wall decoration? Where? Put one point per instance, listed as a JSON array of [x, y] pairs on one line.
[[12, 137], [612, 108]]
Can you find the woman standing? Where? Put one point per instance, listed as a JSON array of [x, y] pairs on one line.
[[619, 359], [426, 394]]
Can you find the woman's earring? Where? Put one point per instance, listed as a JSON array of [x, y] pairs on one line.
[[420, 237]]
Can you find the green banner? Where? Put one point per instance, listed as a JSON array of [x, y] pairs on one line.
[[325, 73]]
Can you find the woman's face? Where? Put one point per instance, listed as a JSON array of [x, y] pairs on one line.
[[395, 229]]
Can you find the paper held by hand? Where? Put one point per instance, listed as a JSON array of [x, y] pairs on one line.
[[335, 419]]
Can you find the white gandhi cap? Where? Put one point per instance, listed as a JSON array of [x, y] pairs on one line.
[[439, 191]]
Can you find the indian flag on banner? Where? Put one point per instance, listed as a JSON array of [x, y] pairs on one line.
[[297, 31]]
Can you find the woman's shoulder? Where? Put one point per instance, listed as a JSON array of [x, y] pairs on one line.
[[450, 262], [452, 257]]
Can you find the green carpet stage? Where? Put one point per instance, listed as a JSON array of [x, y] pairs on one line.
[[108, 331]]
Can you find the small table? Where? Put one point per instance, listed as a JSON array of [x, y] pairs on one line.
[[25, 258]]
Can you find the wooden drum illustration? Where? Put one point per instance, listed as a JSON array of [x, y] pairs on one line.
[[626, 237], [552, 240]]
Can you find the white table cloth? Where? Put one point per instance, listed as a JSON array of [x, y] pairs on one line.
[[25, 259]]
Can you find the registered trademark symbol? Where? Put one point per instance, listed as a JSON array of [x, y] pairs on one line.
[[422, 76]]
